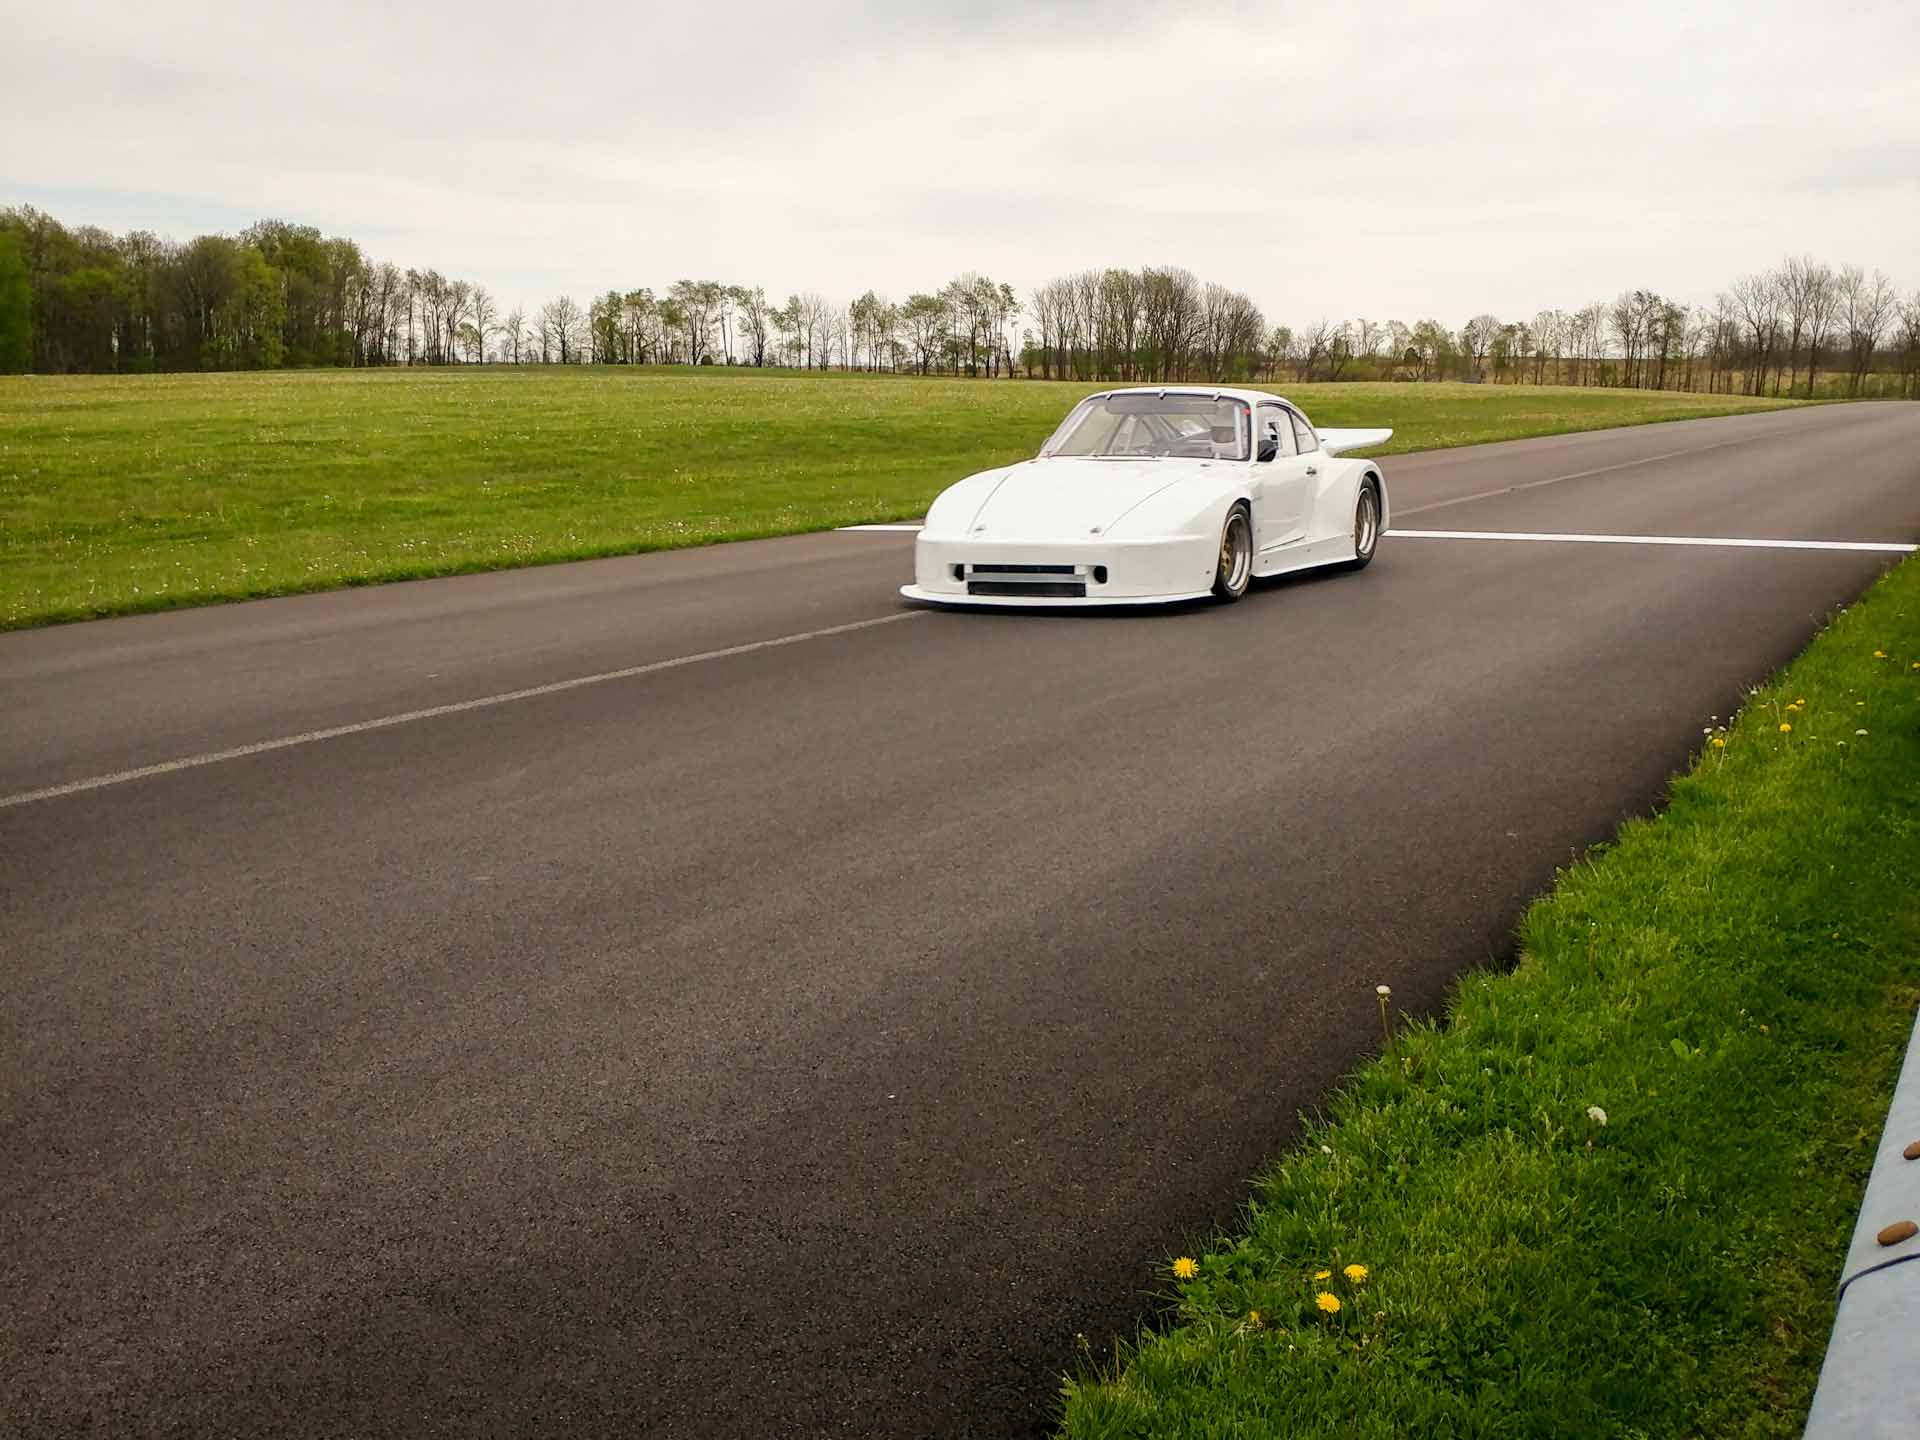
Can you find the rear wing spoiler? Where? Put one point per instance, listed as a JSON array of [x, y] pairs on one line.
[[1339, 442]]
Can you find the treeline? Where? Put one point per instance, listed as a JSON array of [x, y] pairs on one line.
[[964, 328], [1777, 332], [275, 295], [280, 294]]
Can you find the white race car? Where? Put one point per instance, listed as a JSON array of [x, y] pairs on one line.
[[1155, 494]]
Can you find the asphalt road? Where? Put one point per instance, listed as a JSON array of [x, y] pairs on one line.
[[812, 1038]]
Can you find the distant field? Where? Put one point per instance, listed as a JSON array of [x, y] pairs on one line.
[[121, 494]]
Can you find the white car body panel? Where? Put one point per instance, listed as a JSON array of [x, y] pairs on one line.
[[1071, 530]]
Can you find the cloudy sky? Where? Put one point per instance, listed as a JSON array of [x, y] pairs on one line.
[[1394, 160]]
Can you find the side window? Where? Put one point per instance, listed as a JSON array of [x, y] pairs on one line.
[[1276, 436], [1303, 432]]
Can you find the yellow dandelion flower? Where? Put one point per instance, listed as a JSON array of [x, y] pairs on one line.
[[1186, 1267], [1323, 1274], [1785, 729], [1879, 654], [1255, 1319], [1718, 742], [1355, 1273], [1328, 1303]]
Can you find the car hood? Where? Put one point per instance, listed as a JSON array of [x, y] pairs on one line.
[[1069, 498]]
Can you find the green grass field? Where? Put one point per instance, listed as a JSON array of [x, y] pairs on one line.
[[122, 494], [1729, 987]]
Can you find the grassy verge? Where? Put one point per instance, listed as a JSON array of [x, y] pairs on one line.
[[1731, 984], [121, 494]]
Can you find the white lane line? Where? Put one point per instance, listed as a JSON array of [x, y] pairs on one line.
[[915, 529], [1874, 546], [385, 722]]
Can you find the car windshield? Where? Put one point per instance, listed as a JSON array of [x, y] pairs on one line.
[[1135, 426]]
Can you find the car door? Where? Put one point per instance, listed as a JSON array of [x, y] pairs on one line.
[[1281, 479], [1312, 460]]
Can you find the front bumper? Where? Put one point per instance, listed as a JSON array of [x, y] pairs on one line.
[[1155, 571]]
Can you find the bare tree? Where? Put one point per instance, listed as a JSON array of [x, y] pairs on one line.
[[1756, 299], [1311, 343], [1910, 345], [1085, 309], [1476, 338], [815, 329], [1548, 328], [1364, 336], [1867, 303], [459, 304], [1170, 306], [1798, 278], [1122, 304], [1050, 306], [482, 320], [561, 323]]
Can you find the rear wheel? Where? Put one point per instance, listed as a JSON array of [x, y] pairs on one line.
[[1366, 525], [1235, 566]]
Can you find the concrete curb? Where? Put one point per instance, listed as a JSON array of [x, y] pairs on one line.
[[1870, 1381]]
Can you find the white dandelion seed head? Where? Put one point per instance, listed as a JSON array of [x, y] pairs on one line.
[[1596, 1114]]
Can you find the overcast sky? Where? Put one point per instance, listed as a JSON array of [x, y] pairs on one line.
[[1394, 160]]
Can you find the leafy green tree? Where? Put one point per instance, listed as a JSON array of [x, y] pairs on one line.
[[260, 313], [16, 308], [82, 305]]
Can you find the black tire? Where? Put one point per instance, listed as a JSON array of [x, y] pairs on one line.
[[1366, 525], [1233, 571]]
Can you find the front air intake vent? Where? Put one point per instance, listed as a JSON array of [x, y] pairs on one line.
[[1035, 589]]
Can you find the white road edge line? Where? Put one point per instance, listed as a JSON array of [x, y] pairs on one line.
[[1882, 547], [384, 722]]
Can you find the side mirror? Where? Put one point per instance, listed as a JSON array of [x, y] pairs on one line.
[[1268, 449]]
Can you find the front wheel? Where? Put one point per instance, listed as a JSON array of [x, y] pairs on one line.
[[1235, 566], [1366, 525]]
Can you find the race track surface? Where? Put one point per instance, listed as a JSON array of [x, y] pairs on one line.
[[806, 1038]]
